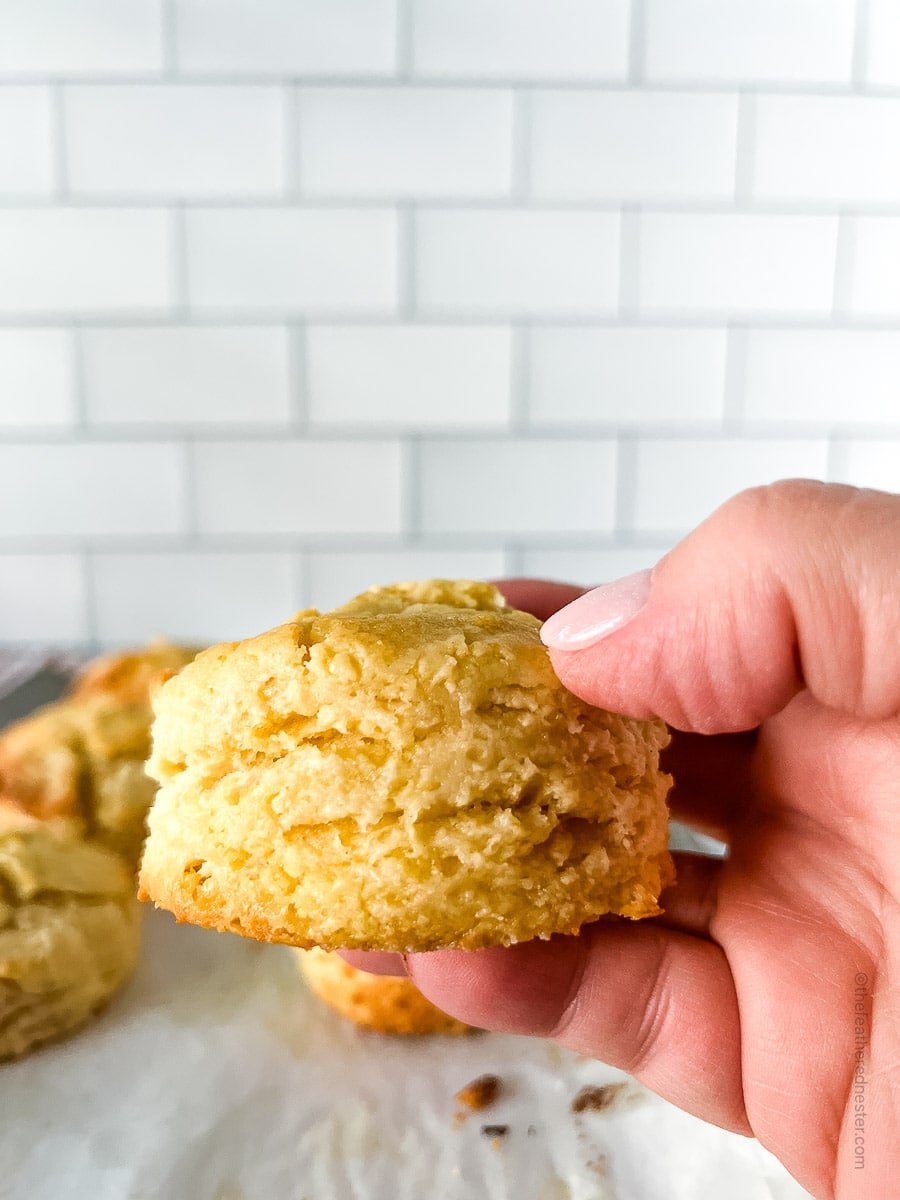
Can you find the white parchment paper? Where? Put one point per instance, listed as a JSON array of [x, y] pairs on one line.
[[215, 1076]]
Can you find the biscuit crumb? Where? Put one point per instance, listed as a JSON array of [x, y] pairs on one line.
[[597, 1099], [495, 1133], [480, 1093]]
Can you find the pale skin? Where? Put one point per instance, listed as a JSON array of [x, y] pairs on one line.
[[771, 640]]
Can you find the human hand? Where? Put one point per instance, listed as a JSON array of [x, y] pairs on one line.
[[780, 615]]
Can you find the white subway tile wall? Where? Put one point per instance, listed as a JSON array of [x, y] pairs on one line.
[[302, 295]]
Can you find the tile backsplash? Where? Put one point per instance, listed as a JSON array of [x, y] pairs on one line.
[[300, 295]]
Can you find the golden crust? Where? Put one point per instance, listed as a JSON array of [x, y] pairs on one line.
[[79, 763], [383, 1003], [403, 773], [69, 934]]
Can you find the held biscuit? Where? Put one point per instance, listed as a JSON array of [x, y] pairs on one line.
[[69, 934], [79, 763], [382, 1003], [403, 773]]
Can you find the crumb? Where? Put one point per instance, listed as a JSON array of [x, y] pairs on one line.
[[531, 1130], [480, 1093], [495, 1132], [597, 1099]]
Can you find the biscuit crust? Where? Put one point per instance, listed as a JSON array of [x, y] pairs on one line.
[[382, 1003], [403, 773]]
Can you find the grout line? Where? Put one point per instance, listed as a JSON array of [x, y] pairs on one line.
[[637, 42], [411, 487], [736, 349], [514, 560], [179, 265], [562, 207], [836, 461], [626, 485], [300, 578], [519, 378], [844, 256], [191, 493], [860, 45], [91, 615], [291, 107], [405, 41], [169, 35], [406, 260], [59, 144], [298, 376], [520, 162], [666, 319], [79, 381], [745, 148], [629, 262]]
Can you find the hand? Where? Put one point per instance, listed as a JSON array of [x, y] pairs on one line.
[[776, 627]]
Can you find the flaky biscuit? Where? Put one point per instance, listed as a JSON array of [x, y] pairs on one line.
[[403, 773], [79, 763], [69, 934], [383, 1003]]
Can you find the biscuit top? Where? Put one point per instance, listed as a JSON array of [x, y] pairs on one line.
[[129, 675]]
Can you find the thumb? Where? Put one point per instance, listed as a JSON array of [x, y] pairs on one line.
[[785, 587]]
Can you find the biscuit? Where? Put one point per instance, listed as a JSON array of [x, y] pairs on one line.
[[403, 773], [79, 763], [69, 933], [383, 1003]]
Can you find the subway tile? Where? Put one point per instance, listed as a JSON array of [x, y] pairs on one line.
[[832, 377], [294, 487], [405, 141], [72, 260], [517, 262], [74, 37], [627, 375], [736, 263], [287, 37], [42, 598], [414, 376], [870, 464], [521, 39], [36, 379], [633, 145], [26, 144], [292, 259], [589, 567], [186, 376], [516, 486], [335, 576], [199, 597], [175, 140], [840, 149], [875, 266], [749, 41], [678, 482], [91, 489], [882, 43]]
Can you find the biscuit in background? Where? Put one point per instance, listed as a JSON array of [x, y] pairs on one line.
[[383, 1003], [404, 773], [69, 933], [79, 763]]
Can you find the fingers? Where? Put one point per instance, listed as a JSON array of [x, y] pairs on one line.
[[784, 587], [655, 1002], [538, 596], [375, 962], [713, 779], [689, 904]]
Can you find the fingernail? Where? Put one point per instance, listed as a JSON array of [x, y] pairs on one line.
[[597, 613]]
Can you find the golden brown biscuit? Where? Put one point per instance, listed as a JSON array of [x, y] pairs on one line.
[[79, 763], [383, 1003], [69, 933], [403, 773]]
